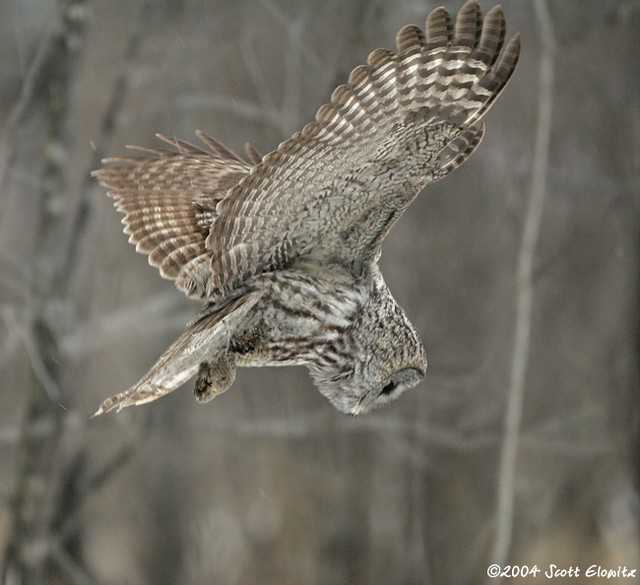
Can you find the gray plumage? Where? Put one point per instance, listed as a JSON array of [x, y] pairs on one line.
[[284, 248]]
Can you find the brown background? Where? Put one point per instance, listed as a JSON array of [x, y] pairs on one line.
[[269, 484]]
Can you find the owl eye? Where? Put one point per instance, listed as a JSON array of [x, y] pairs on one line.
[[402, 379], [389, 388]]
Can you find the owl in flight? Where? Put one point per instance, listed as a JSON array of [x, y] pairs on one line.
[[283, 249]]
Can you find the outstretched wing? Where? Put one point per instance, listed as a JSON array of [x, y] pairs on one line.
[[169, 201], [204, 341], [335, 188]]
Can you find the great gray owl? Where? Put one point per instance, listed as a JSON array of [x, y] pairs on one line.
[[284, 248]]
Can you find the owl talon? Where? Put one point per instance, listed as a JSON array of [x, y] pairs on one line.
[[214, 378]]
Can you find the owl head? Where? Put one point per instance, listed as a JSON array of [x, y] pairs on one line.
[[382, 356]]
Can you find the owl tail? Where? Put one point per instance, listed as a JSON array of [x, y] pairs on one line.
[[206, 341]]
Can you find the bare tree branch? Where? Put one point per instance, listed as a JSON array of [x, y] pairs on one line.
[[524, 292], [109, 120], [37, 504]]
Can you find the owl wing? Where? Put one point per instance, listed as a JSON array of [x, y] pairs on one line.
[[406, 118], [169, 200], [203, 341]]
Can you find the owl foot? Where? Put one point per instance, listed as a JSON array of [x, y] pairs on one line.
[[215, 378]]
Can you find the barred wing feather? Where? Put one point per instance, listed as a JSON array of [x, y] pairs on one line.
[[334, 189], [169, 199]]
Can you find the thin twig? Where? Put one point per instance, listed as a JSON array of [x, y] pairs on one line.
[[71, 567], [109, 125], [156, 314], [24, 333], [258, 78], [29, 83], [524, 292], [243, 109]]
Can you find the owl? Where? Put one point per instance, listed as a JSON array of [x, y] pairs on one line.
[[283, 249]]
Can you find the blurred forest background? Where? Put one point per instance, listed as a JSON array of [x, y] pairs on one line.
[[520, 271]]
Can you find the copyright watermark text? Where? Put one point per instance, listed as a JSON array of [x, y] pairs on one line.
[[555, 571]]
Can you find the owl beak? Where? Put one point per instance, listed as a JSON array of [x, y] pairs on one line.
[[363, 403], [357, 409]]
